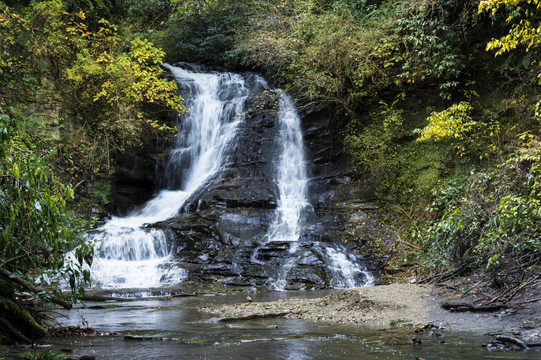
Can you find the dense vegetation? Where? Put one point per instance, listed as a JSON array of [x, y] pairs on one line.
[[64, 57], [437, 99]]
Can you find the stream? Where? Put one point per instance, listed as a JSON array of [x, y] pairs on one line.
[[175, 328], [233, 218]]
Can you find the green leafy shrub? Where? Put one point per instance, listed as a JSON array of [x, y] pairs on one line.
[[15, 68], [205, 31], [372, 148], [111, 89], [328, 59], [45, 355], [36, 228], [147, 15], [420, 167], [431, 33], [496, 219]]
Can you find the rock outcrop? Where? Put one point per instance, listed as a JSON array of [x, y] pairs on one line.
[[220, 232]]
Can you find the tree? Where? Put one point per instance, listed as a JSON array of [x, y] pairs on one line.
[[525, 26], [36, 232], [205, 31]]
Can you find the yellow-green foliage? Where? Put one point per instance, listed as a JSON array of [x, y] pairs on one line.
[[11, 25], [111, 82], [525, 27], [467, 135], [453, 122], [14, 64], [110, 88]]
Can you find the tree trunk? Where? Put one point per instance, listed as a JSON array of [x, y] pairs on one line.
[[17, 323]]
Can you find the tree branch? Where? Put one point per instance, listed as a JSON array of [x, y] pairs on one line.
[[31, 287]]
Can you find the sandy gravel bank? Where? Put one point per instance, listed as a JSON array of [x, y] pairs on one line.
[[377, 305], [384, 305]]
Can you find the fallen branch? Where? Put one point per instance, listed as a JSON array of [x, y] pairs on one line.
[[466, 306], [523, 286], [517, 289], [530, 301], [253, 317], [460, 269], [497, 297], [31, 287], [521, 344]]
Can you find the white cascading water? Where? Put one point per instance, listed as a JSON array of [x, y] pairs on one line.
[[130, 256], [344, 265], [345, 271], [292, 180]]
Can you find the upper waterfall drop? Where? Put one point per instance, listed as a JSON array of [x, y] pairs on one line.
[[216, 103], [131, 256]]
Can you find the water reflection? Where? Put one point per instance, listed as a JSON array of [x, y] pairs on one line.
[[174, 328]]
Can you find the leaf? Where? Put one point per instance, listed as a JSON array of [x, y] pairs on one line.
[[15, 171]]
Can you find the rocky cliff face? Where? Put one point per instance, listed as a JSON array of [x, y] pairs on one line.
[[219, 233]]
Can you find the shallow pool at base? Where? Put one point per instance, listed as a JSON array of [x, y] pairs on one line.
[[174, 328]]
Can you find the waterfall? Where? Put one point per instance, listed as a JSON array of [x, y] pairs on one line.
[[292, 180], [134, 253], [344, 270], [128, 254]]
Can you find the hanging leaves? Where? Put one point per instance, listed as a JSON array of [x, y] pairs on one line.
[[36, 228]]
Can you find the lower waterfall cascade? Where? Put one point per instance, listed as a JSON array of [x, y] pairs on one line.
[[288, 223], [148, 248]]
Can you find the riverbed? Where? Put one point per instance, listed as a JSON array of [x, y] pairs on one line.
[[173, 326]]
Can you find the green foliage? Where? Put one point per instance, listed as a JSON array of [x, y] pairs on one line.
[[103, 189], [329, 58], [494, 219], [45, 355], [373, 147], [53, 33], [14, 65], [341, 52], [406, 171], [94, 9], [432, 46], [419, 169], [112, 86], [205, 31], [36, 228], [148, 14], [111, 91]]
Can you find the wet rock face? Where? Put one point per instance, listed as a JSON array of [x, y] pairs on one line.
[[220, 226], [135, 180], [219, 233], [136, 174]]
